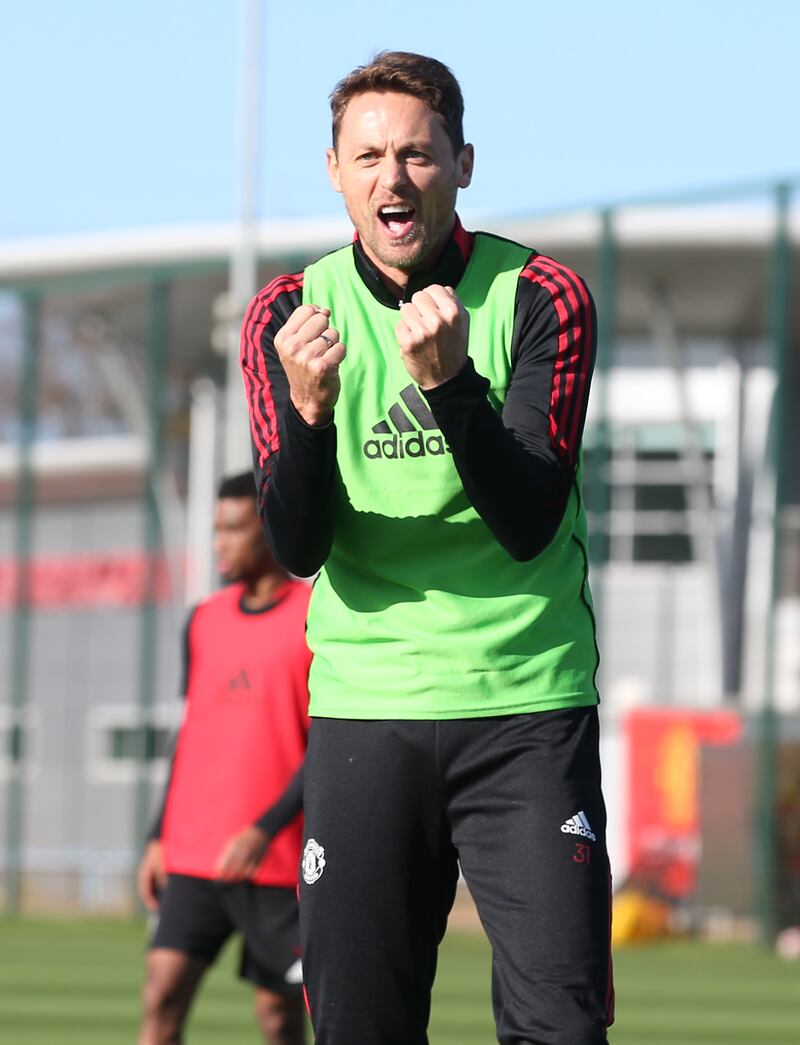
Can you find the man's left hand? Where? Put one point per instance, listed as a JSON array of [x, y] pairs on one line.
[[242, 854], [432, 334]]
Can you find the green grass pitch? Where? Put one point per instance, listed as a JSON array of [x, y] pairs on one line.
[[77, 983]]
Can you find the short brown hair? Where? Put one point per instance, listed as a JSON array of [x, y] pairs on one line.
[[406, 73]]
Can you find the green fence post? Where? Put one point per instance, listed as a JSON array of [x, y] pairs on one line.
[[19, 662], [766, 825], [157, 352], [598, 481]]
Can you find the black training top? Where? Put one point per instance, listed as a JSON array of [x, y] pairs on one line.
[[515, 472]]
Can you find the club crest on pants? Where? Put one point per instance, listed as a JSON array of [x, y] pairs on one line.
[[313, 861]]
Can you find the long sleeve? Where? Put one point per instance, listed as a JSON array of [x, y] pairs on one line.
[[285, 809], [294, 463], [517, 466], [157, 824]]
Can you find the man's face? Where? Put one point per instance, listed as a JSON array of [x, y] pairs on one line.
[[239, 543], [395, 167]]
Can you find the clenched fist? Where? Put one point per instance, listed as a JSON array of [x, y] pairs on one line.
[[310, 352], [432, 334]]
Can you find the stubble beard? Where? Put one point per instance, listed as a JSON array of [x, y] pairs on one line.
[[403, 259]]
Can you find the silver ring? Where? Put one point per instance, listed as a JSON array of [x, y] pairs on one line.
[[328, 341]]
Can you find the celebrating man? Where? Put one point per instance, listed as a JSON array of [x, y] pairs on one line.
[[417, 401]]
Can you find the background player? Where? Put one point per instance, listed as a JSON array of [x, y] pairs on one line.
[[240, 744]]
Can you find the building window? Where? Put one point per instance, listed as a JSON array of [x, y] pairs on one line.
[[119, 746], [19, 740], [125, 742], [656, 504]]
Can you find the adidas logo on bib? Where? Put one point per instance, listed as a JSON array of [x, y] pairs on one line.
[[398, 437], [578, 825]]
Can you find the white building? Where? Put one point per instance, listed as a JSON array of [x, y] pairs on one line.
[[680, 485]]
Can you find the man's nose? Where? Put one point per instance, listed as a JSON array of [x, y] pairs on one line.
[[393, 173]]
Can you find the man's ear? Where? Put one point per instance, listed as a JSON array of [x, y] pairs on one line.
[[333, 169], [465, 163]]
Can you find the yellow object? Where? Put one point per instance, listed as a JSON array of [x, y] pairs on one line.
[[638, 917]]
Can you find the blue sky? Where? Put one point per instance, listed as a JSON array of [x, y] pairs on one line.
[[123, 116]]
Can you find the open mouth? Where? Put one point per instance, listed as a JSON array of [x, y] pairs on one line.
[[398, 219]]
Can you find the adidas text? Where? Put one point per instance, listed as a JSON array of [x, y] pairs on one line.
[[396, 447]]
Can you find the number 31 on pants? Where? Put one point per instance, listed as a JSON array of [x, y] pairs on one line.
[[582, 854]]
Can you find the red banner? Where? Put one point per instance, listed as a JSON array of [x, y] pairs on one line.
[[663, 791], [103, 579]]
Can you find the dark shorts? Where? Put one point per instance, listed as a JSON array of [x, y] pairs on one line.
[[196, 916], [392, 809]]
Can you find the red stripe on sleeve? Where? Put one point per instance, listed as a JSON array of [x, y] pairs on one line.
[[583, 336], [250, 392], [573, 356], [263, 420]]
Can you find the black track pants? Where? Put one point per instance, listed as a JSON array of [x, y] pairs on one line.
[[390, 810]]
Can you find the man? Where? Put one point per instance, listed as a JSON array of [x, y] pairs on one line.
[[417, 401], [240, 744]]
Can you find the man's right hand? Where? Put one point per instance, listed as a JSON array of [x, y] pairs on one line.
[[151, 877], [310, 352]]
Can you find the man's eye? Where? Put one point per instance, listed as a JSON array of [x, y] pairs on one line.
[[366, 157]]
